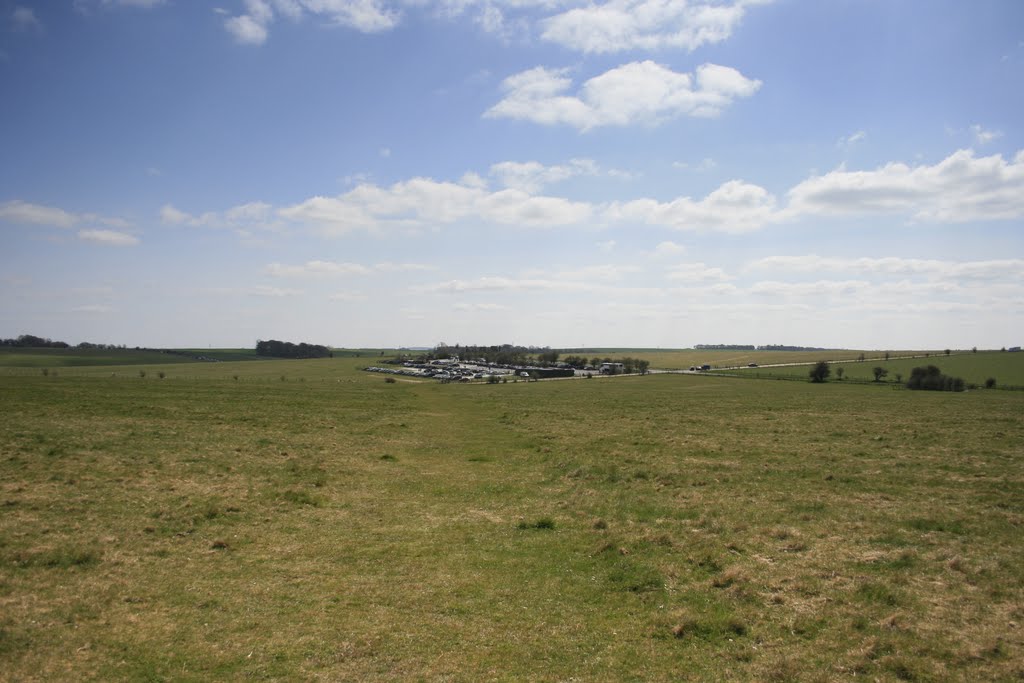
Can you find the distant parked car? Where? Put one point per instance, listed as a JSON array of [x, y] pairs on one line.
[[705, 367], [751, 365]]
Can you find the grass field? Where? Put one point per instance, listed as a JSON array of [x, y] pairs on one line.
[[1006, 368], [310, 521], [681, 359]]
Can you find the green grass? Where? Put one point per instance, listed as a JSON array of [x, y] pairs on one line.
[[335, 527], [1007, 368]]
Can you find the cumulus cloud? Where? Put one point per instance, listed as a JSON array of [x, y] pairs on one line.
[[366, 16], [959, 188], [532, 176], [734, 207], [424, 202], [108, 237], [668, 249], [638, 92], [643, 24]]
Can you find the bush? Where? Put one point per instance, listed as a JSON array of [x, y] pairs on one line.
[[389, 380], [142, 373], [930, 378], [880, 373], [990, 383], [161, 374], [820, 372]]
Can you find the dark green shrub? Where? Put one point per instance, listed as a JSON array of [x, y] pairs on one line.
[[930, 378]]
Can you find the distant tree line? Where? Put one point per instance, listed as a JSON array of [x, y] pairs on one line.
[[752, 347], [32, 341], [282, 349], [725, 347], [501, 354]]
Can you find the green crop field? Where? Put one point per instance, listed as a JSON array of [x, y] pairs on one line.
[[1006, 368], [303, 520]]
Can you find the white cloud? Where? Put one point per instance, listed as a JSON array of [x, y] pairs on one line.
[[638, 92], [272, 292], [852, 139], [317, 269], [347, 296], [108, 237], [606, 246], [959, 188], [605, 272], [705, 164], [21, 212], [324, 268], [697, 272], [734, 207], [529, 284], [388, 267], [239, 218], [668, 249], [423, 202], [17, 211], [643, 24], [893, 265], [532, 176], [480, 307], [98, 309], [983, 137], [366, 16]]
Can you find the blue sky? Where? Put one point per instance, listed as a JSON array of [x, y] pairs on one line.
[[636, 173]]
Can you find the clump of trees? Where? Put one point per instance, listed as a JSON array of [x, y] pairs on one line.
[[32, 341], [820, 372], [880, 373], [930, 378], [281, 349]]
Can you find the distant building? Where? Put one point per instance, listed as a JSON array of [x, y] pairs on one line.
[[611, 368]]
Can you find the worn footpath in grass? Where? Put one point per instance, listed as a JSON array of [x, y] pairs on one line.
[[331, 525]]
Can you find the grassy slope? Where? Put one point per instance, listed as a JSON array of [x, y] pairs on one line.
[[703, 527], [1007, 368]]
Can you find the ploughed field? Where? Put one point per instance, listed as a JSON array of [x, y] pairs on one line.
[[310, 521]]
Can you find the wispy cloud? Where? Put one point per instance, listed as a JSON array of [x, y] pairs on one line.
[[252, 26], [111, 238], [20, 212], [851, 139], [25, 19], [983, 136]]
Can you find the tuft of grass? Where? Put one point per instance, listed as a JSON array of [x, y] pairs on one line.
[[543, 523], [300, 497]]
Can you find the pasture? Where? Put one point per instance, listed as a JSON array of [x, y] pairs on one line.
[[306, 520], [1006, 368]]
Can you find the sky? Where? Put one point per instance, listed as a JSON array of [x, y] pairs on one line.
[[564, 173]]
